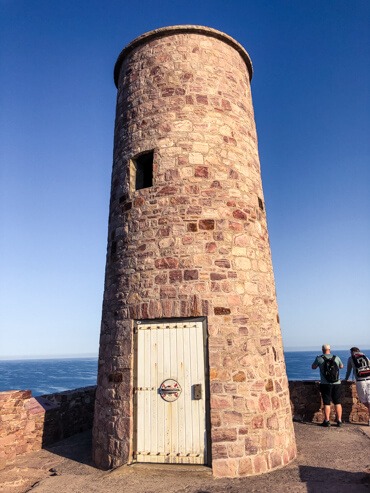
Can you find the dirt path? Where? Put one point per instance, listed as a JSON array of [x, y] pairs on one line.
[[329, 460]]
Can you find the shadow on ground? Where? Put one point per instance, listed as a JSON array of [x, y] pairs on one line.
[[316, 476], [76, 448]]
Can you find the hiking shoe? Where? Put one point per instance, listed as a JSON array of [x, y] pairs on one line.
[[339, 424], [325, 424]]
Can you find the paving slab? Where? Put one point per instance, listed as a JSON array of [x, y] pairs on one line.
[[329, 460]]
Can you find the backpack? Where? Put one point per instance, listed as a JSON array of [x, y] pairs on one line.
[[361, 364], [330, 369]]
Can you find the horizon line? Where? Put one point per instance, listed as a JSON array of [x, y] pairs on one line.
[[49, 356], [339, 347]]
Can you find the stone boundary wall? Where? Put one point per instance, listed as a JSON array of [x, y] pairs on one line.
[[307, 404], [21, 424], [73, 413], [30, 423]]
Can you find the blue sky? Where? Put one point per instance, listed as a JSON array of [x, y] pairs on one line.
[[311, 94]]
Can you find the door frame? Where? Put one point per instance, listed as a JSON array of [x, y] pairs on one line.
[[203, 320]]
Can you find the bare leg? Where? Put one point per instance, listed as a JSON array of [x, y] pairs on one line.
[[338, 410], [368, 407], [327, 412]]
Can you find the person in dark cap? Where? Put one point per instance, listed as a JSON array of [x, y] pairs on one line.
[[359, 364]]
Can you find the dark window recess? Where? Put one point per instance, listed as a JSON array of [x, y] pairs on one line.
[[260, 203], [113, 248], [144, 170], [115, 377]]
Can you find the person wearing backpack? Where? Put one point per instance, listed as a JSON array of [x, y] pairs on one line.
[[359, 363], [330, 385]]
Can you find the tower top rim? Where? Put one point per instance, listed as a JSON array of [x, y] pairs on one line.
[[186, 28]]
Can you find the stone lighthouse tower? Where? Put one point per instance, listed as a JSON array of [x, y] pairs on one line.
[[191, 365]]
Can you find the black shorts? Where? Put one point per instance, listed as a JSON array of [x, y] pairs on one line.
[[330, 392]]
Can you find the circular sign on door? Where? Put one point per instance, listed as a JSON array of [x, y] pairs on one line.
[[170, 390]]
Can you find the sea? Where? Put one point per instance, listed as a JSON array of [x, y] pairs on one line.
[[48, 376]]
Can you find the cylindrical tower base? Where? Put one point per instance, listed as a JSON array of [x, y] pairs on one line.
[[189, 299]]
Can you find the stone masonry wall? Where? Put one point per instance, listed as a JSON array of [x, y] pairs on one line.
[[28, 423], [74, 413], [307, 404], [194, 244], [23, 422]]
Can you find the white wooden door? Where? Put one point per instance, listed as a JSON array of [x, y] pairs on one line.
[[170, 424]]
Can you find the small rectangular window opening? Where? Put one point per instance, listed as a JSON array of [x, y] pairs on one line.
[[260, 203], [113, 249], [144, 170]]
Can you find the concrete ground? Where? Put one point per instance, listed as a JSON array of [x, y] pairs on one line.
[[329, 460]]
